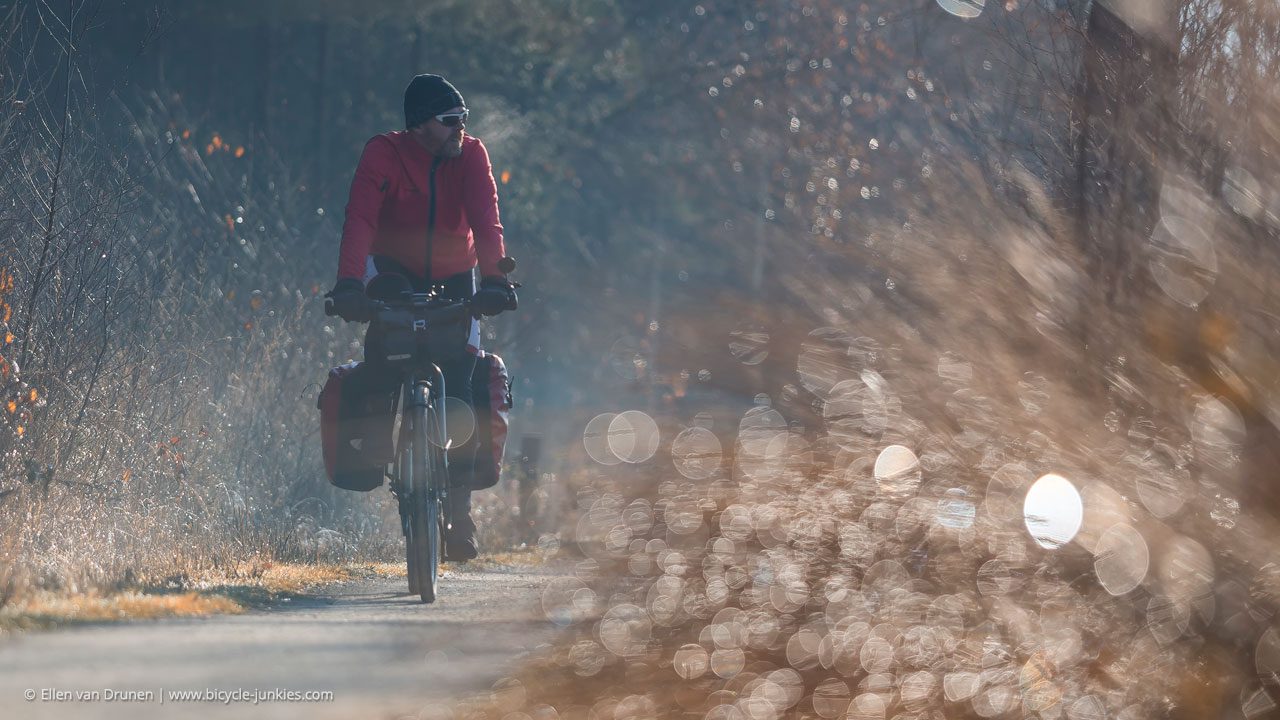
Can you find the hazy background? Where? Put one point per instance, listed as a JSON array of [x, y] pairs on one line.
[[857, 273]]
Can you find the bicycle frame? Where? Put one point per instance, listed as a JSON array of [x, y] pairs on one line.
[[409, 329], [407, 322]]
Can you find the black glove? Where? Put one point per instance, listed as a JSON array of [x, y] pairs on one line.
[[348, 301], [496, 294]]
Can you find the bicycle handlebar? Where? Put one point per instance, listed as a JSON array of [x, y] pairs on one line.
[[431, 308], [435, 305]]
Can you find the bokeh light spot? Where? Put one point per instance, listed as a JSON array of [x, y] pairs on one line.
[[1183, 260], [1052, 511], [595, 438], [696, 453], [967, 9], [955, 510], [749, 344], [633, 436], [460, 423], [691, 661], [1121, 559], [728, 662], [831, 698], [897, 471], [625, 630]]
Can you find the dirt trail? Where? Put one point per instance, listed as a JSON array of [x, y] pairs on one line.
[[381, 653]]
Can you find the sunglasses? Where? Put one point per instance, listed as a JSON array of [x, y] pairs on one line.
[[453, 120]]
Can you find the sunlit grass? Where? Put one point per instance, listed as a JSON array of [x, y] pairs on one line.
[[46, 610], [249, 585], [518, 558]]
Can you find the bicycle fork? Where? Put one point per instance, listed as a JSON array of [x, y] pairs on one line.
[[426, 402]]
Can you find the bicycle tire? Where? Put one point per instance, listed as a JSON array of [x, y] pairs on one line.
[[428, 467], [428, 577], [429, 582], [416, 540], [403, 465], [411, 558]]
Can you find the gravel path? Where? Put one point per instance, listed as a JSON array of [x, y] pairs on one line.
[[380, 652]]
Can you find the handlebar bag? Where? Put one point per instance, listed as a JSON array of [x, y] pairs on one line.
[[491, 400], [357, 418]]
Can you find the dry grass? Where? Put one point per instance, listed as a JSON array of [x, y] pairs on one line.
[[517, 558], [249, 585], [295, 577], [47, 610]]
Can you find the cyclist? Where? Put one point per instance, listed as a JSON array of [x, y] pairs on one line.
[[424, 204]]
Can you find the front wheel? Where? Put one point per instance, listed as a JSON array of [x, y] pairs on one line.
[[413, 474], [428, 478], [403, 482], [424, 551], [428, 531], [411, 553]]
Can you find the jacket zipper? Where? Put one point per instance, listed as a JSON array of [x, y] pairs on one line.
[[431, 216]]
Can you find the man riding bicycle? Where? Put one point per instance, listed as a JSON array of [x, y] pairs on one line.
[[424, 205]]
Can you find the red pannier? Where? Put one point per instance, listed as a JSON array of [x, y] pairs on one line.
[[357, 418], [491, 400]]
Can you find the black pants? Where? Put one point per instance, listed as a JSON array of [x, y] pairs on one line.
[[457, 366]]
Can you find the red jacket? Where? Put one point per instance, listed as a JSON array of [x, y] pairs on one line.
[[388, 208]]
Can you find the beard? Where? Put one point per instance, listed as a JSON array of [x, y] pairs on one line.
[[451, 147]]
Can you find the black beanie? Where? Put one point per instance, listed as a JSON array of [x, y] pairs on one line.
[[428, 96]]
